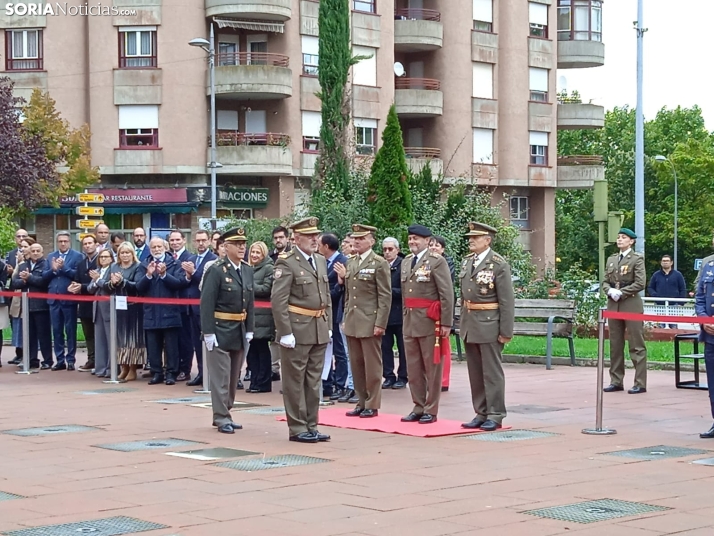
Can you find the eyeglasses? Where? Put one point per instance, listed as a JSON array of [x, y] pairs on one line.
[[388, 249], [106, 257], [22, 236]]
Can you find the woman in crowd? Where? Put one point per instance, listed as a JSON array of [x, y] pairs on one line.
[[15, 311], [259, 360], [99, 287]]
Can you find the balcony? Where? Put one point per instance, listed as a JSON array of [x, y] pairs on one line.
[[418, 97], [261, 154], [573, 115], [580, 34], [253, 76], [579, 172], [418, 157], [271, 10], [417, 30]]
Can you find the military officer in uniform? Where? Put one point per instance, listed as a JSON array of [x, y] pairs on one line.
[[428, 300], [367, 285], [226, 321], [302, 309], [624, 278], [487, 313], [704, 306]]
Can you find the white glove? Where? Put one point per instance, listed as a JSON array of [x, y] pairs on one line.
[[249, 336], [288, 341], [615, 294], [329, 333], [210, 341]]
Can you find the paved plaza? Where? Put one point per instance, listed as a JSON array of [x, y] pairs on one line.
[[121, 459]]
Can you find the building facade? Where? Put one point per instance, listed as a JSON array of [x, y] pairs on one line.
[[475, 95]]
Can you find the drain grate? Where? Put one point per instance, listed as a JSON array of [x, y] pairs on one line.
[[509, 435], [149, 444], [236, 405], [265, 411], [212, 454], [657, 453], [186, 400], [107, 391], [51, 430], [9, 496], [273, 462], [594, 511], [531, 409], [111, 526]]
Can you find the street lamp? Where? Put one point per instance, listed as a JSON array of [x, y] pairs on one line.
[[660, 158], [209, 47]]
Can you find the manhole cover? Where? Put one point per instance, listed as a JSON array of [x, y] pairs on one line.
[[9, 496], [594, 511], [108, 390], [212, 454], [111, 526], [273, 462], [185, 400], [51, 430], [265, 411], [656, 453], [530, 409], [509, 435], [151, 444]]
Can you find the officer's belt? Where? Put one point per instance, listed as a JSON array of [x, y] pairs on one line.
[[474, 306], [316, 313], [238, 317]]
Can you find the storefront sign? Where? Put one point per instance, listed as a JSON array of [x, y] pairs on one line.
[[138, 196], [243, 197]]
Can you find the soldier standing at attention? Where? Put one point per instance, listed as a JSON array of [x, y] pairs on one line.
[[367, 285], [428, 298], [487, 314], [226, 320], [302, 309], [624, 278]]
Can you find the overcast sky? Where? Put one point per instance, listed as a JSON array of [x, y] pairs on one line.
[[677, 51]]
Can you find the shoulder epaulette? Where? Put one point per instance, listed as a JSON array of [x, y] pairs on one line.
[[286, 254], [435, 255], [243, 261], [352, 256], [469, 255], [497, 258]]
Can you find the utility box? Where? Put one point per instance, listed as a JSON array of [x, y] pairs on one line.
[[600, 201], [614, 224]]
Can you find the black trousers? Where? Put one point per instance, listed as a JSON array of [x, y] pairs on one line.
[[185, 351], [88, 329], [40, 333], [197, 342], [260, 365], [158, 340], [391, 333]]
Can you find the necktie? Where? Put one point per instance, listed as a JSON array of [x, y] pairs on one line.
[[621, 256], [414, 261], [63, 255], [175, 256], [312, 264], [199, 261]]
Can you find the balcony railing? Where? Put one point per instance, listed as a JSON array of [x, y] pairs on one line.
[[417, 83], [580, 160], [417, 14], [422, 152], [27, 64], [234, 139], [252, 58]]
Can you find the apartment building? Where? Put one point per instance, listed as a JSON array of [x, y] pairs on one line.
[[475, 96]]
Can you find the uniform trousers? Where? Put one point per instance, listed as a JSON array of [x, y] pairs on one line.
[[366, 361], [488, 384], [302, 380], [638, 351], [223, 371], [424, 375], [709, 362]]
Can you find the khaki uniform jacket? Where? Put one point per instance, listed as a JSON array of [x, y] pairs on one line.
[[296, 283], [430, 279], [226, 291], [368, 295], [629, 277], [489, 282]]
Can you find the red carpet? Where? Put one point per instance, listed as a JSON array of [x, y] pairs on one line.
[[391, 424]]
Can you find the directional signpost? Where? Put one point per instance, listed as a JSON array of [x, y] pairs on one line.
[[86, 211], [90, 211], [90, 198], [88, 224]]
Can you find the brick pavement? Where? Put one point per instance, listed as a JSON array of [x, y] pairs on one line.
[[374, 484]]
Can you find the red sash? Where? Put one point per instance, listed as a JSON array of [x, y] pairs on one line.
[[442, 345]]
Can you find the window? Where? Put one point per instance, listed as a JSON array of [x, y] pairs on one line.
[[23, 50], [137, 47], [364, 72], [227, 120], [310, 50], [579, 20], [368, 6], [539, 148], [520, 212], [139, 127], [538, 19], [311, 123], [483, 15], [482, 80], [538, 84], [228, 54], [483, 146], [365, 135]]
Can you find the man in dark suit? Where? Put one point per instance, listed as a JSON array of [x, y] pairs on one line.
[[390, 249], [184, 259], [60, 271], [227, 321], [329, 247], [10, 263], [85, 310], [141, 248], [195, 271]]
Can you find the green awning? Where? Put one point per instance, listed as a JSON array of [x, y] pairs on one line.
[[134, 209]]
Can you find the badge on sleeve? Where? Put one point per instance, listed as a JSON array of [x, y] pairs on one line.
[[277, 273]]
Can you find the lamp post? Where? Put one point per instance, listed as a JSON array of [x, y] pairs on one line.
[[640, 137], [660, 158], [209, 46]]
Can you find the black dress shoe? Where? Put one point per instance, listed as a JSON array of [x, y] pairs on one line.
[[60, 366], [198, 380], [45, 366], [305, 437], [399, 384], [234, 425], [182, 377], [170, 380], [156, 378], [226, 429], [15, 361], [319, 436], [337, 394], [353, 399], [709, 434], [246, 378], [412, 417], [387, 384], [490, 426], [444, 389], [240, 385], [275, 377], [610, 388], [636, 390], [427, 419], [70, 367], [476, 422], [367, 413], [355, 412], [349, 393]]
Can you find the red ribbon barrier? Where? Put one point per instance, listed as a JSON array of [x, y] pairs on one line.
[[67, 297], [668, 319]]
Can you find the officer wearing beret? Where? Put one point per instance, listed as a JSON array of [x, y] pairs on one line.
[[625, 278], [226, 321], [302, 310], [487, 313], [428, 300], [367, 285]]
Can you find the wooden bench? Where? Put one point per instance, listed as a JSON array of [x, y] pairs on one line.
[[558, 316]]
